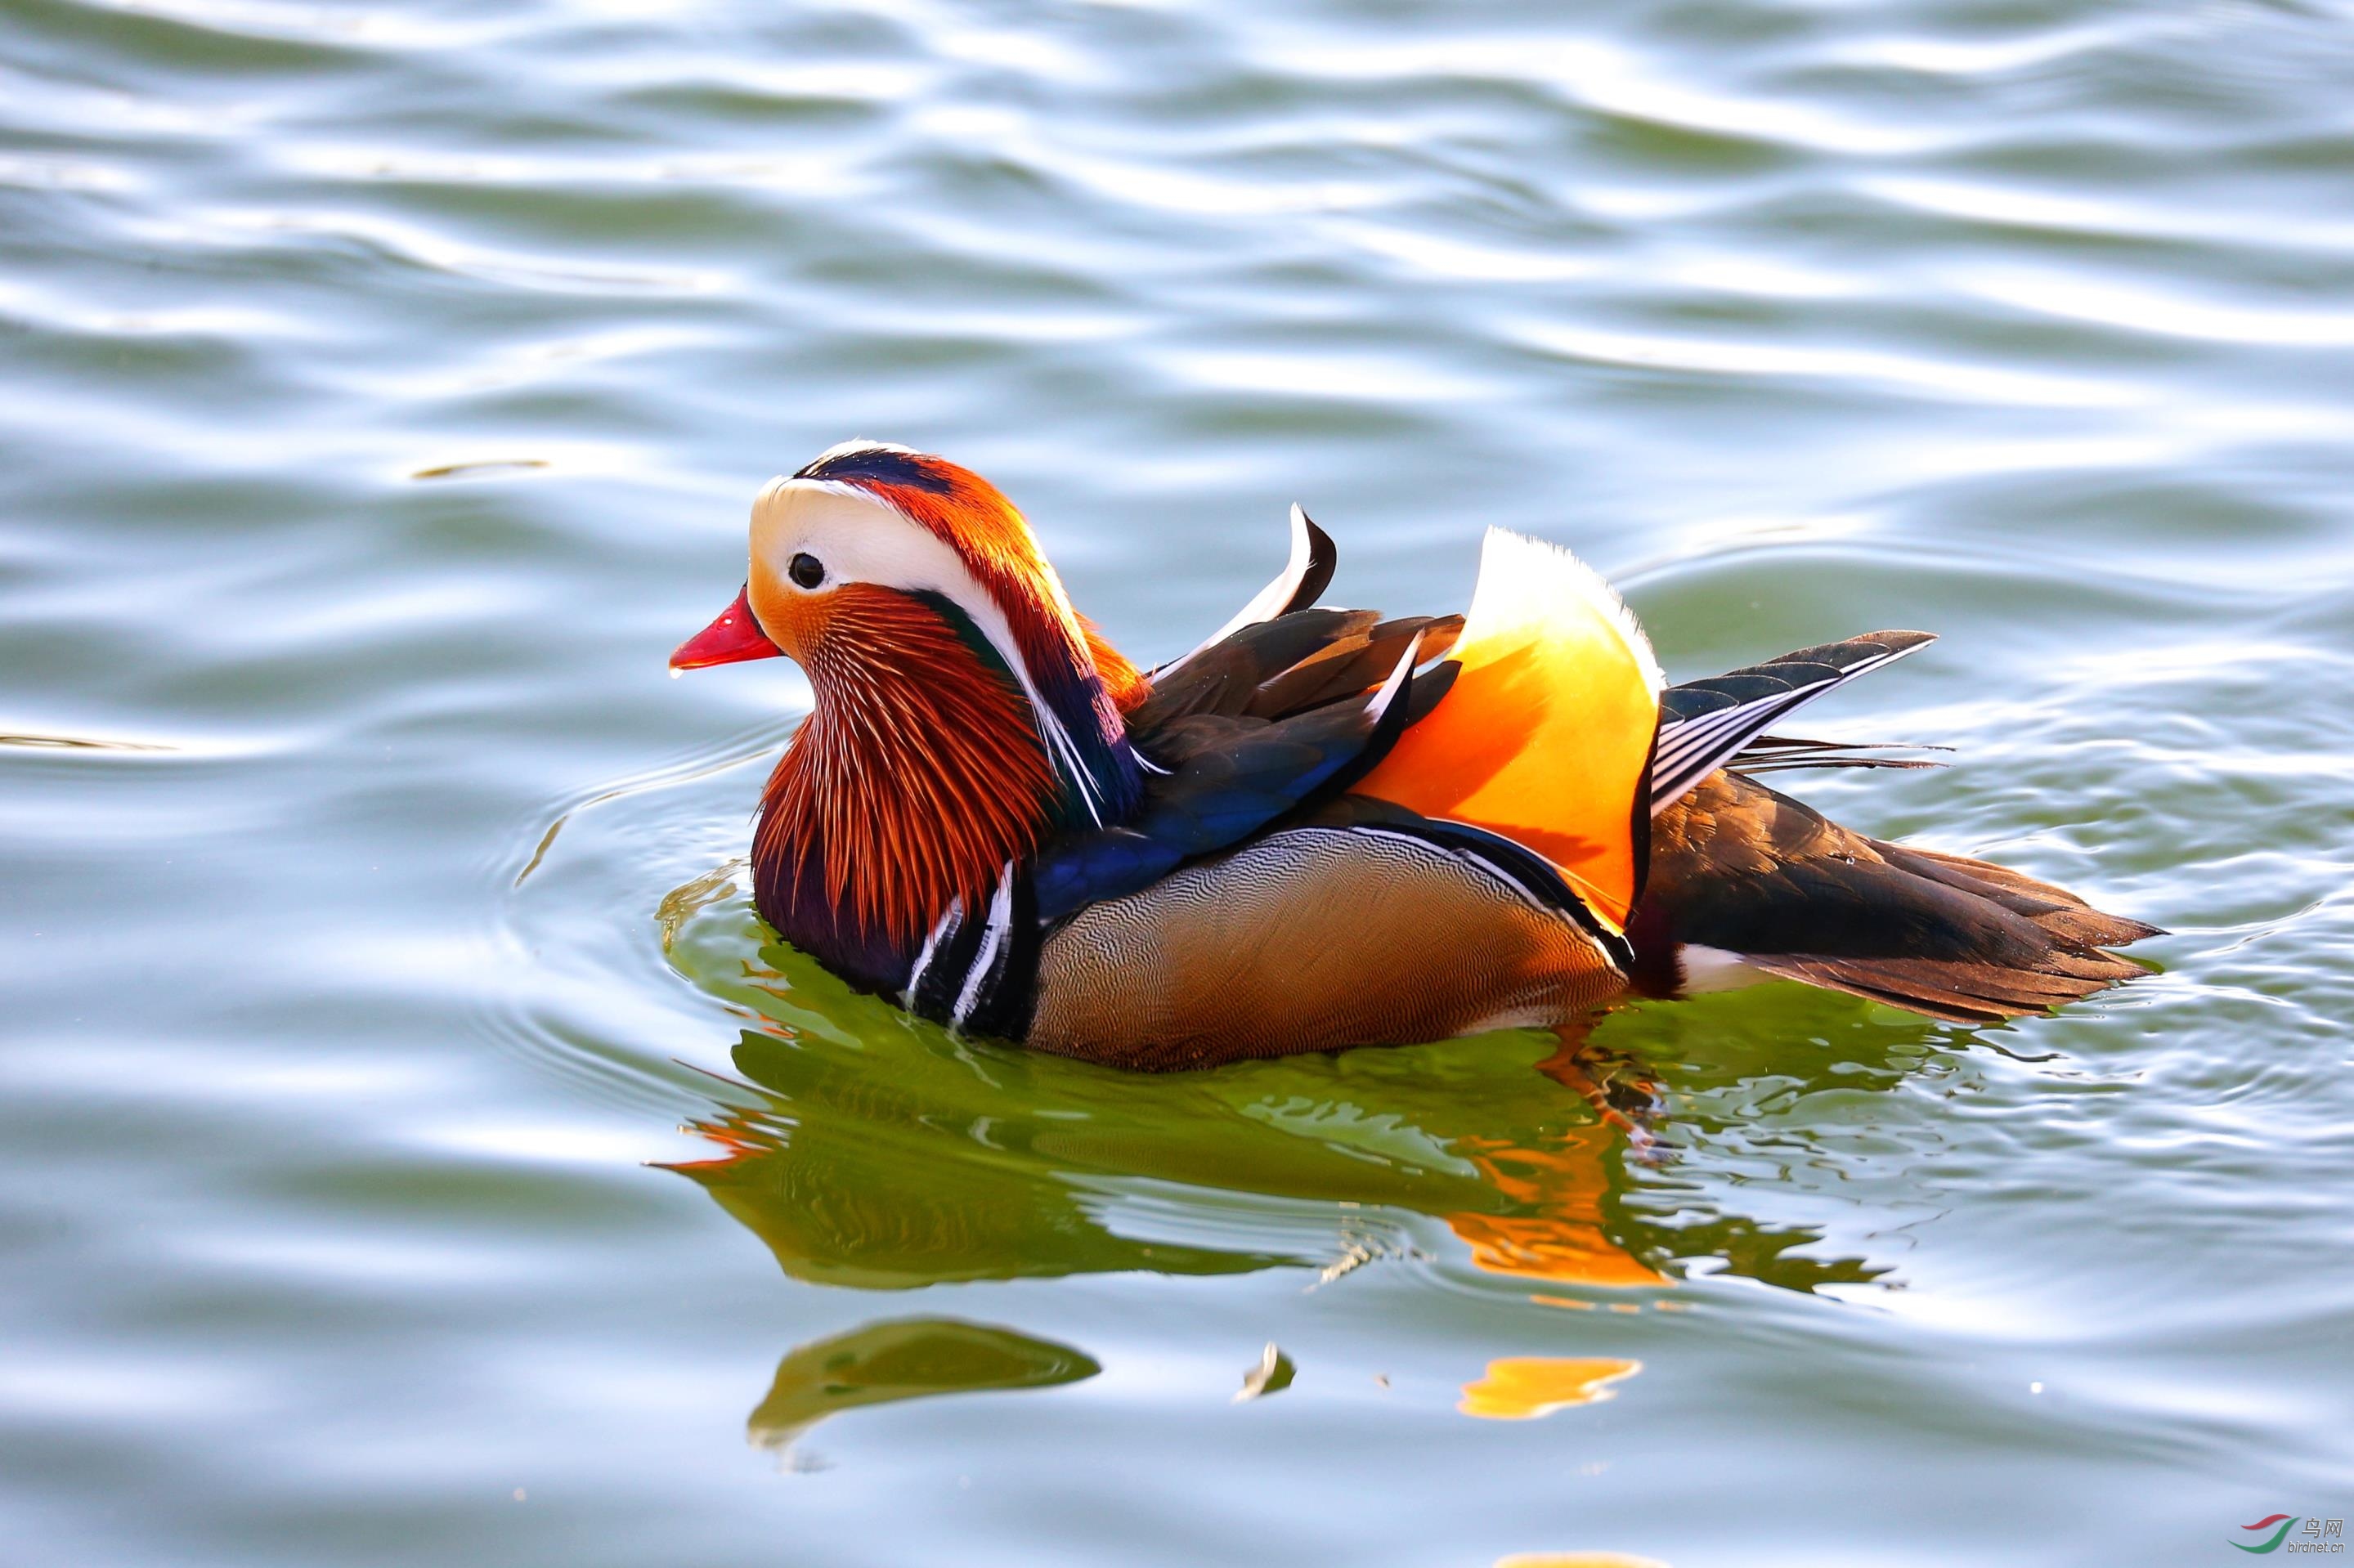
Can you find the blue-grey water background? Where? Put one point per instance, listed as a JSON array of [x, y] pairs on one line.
[[382, 390]]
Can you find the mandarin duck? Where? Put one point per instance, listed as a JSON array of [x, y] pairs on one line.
[[1320, 828]]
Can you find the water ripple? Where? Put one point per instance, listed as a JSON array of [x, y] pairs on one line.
[[387, 389]]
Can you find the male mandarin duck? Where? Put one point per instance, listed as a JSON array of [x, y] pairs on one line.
[[1318, 829]]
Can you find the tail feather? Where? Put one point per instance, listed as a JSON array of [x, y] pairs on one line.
[[1957, 990], [2057, 910], [1783, 754], [1738, 867]]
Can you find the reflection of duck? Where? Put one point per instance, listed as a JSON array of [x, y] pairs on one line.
[[884, 1156], [909, 1359], [854, 1182], [927, 1174], [1556, 1230], [1521, 1388], [1307, 834]]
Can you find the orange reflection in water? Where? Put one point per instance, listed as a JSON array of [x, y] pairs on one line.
[[1561, 1241], [1521, 1388]]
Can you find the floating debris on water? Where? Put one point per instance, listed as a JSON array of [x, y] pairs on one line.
[[1272, 1375], [488, 465]]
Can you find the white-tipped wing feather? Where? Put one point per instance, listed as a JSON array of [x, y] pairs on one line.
[[1705, 723], [1303, 577]]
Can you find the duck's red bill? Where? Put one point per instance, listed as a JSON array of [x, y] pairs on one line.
[[733, 638]]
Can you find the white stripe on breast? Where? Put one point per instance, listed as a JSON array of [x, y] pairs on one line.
[[940, 927], [993, 938]]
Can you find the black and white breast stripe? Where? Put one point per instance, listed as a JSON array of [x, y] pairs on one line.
[[978, 973]]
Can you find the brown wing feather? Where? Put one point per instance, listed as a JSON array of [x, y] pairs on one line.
[[1226, 678], [1354, 663]]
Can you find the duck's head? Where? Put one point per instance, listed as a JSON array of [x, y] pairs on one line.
[[941, 649]]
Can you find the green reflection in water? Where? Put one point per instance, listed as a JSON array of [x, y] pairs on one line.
[[879, 1153], [910, 1358]]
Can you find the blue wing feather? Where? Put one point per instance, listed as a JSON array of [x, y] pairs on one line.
[[1238, 776]]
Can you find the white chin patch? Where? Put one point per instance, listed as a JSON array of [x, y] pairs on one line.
[[1712, 968]]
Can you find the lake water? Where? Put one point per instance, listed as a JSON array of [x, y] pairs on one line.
[[410, 1151]]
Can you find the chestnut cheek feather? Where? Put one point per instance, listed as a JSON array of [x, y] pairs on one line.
[[919, 774]]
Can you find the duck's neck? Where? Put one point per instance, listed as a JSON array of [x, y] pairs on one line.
[[917, 777]]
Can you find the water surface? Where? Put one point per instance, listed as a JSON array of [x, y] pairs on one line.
[[413, 1150]]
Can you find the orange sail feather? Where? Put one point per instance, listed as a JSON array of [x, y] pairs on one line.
[[1547, 733]]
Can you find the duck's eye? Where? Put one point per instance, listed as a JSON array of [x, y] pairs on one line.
[[807, 570]]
